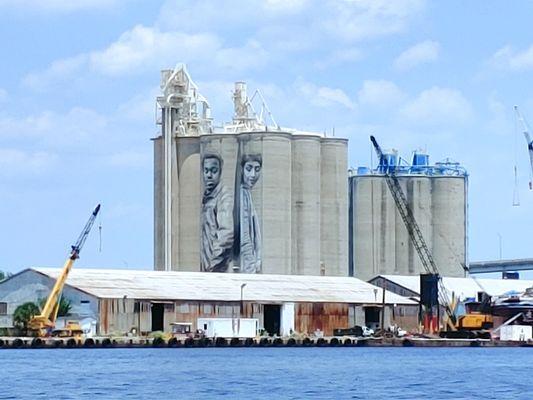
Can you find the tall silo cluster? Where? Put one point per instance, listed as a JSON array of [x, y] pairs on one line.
[[251, 197], [247, 197], [380, 242]]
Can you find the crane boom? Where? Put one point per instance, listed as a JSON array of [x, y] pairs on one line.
[[415, 234], [48, 315], [527, 135]]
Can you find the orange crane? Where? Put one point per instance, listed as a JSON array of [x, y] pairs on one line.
[[43, 323]]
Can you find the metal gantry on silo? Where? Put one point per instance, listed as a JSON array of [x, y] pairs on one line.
[[437, 196], [248, 197]]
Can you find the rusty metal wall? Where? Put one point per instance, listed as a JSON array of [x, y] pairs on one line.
[[406, 317], [191, 311], [119, 316], [324, 316]]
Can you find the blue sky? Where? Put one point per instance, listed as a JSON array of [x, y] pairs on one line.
[[79, 79]]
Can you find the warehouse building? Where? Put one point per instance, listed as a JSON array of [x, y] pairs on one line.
[[460, 288], [437, 196], [122, 301], [246, 197], [509, 297]]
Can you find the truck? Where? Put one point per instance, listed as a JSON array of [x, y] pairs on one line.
[[519, 333], [229, 327]]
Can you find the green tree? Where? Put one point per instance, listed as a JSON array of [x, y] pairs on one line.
[[24, 313], [65, 305], [4, 275]]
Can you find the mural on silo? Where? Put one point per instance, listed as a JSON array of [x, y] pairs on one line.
[[230, 227], [250, 230], [216, 243]]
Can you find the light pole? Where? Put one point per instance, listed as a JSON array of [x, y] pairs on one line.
[[242, 289], [500, 243]]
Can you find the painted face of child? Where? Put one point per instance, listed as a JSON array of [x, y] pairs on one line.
[[211, 174], [250, 173]]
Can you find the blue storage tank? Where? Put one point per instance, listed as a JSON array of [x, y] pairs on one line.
[[389, 162], [420, 159], [420, 163]]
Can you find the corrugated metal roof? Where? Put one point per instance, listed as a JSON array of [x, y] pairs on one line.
[[465, 287], [159, 285]]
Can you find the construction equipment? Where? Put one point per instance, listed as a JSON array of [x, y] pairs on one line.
[[44, 323], [527, 135], [475, 322], [414, 231], [478, 319]]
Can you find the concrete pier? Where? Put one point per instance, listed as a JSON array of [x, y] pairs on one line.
[[332, 341]]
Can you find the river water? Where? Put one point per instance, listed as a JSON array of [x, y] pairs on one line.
[[276, 373]]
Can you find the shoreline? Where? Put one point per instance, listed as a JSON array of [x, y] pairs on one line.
[[333, 341]]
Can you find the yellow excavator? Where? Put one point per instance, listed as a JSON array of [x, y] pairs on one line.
[[44, 323]]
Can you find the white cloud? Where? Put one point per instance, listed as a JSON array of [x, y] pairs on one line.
[[140, 107], [61, 6], [362, 19], [265, 32], [144, 49], [379, 93], [349, 20], [509, 59], [343, 56], [189, 15], [76, 127], [14, 162], [421, 53], [251, 55], [437, 105], [290, 6], [323, 96], [57, 71], [498, 121]]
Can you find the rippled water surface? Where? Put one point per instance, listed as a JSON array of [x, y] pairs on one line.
[[277, 373]]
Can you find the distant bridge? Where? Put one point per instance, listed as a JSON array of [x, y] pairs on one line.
[[483, 267]]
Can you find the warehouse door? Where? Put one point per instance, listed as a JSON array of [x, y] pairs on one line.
[[372, 317], [272, 318], [158, 310]]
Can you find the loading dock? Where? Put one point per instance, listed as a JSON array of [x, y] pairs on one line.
[[158, 313], [272, 319]]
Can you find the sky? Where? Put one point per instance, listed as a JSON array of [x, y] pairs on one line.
[[79, 79]]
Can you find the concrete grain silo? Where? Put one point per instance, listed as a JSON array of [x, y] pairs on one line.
[[274, 201], [449, 223], [379, 241], [245, 197], [418, 192], [334, 206], [306, 180], [187, 199]]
